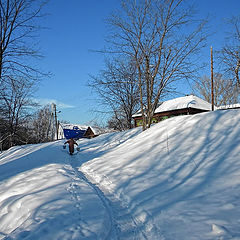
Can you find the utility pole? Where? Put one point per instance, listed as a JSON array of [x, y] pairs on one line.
[[56, 122], [52, 123], [212, 86]]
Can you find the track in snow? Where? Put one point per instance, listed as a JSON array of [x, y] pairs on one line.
[[113, 233], [122, 224]]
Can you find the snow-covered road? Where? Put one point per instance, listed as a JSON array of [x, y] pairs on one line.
[[44, 193], [54, 200]]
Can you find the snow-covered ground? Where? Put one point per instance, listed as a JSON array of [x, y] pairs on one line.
[[178, 180]]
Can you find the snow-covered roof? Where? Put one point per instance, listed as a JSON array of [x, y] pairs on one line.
[[231, 106], [97, 130], [189, 101], [72, 126]]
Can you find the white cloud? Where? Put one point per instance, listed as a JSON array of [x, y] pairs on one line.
[[45, 101]]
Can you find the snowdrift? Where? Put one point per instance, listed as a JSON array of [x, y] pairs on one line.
[[180, 179]]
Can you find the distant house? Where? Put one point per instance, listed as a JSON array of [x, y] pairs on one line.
[[92, 132], [73, 131], [179, 106], [78, 131]]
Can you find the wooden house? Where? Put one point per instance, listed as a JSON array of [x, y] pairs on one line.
[[179, 106], [89, 133]]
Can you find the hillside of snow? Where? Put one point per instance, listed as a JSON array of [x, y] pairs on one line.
[[180, 179]]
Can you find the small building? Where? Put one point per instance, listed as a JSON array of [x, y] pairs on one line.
[[178, 106], [78, 131], [73, 132], [91, 132]]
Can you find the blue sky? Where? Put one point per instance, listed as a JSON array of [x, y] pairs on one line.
[[76, 27]]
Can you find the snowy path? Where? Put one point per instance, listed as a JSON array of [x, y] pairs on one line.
[[122, 224], [43, 194], [51, 200], [112, 231]]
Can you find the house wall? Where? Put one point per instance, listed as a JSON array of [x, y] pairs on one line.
[[157, 117]]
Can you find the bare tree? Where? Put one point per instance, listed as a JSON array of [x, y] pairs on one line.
[[119, 121], [161, 37], [15, 102], [41, 124], [230, 53], [18, 25], [19, 22], [225, 90], [116, 86]]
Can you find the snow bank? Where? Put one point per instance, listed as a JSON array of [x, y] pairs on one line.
[[178, 179]]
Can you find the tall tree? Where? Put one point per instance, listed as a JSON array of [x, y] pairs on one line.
[[161, 37], [116, 86], [19, 21]]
